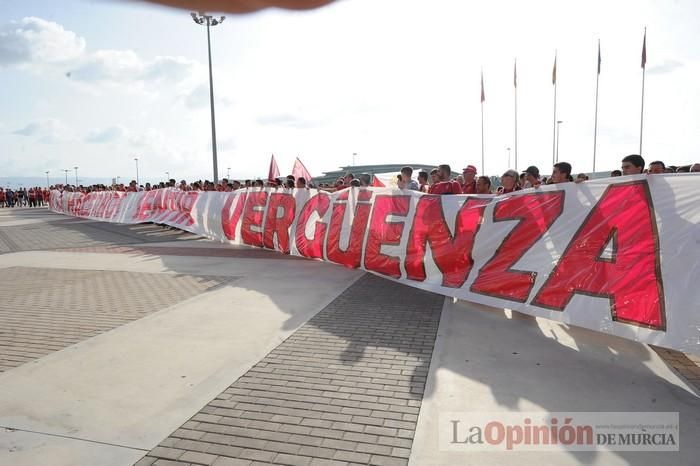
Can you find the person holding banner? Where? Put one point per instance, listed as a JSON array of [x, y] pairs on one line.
[[509, 182], [532, 177], [561, 173], [483, 185], [633, 164], [469, 174], [423, 182], [406, 180], [657, 168], [445, 185]]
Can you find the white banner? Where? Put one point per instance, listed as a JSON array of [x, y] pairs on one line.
[[620, 255]]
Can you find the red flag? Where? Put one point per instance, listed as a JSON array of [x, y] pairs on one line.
[[274, 172], [300, 171], [644, 49], [377, 183], [483, 96]]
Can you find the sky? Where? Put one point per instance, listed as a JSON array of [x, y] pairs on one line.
[[95, 84]]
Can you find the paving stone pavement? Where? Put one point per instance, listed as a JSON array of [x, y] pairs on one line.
[[240, 252], [346, 388], [44, 310], [687, 365], [58, 232]]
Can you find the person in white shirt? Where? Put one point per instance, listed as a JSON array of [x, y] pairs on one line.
[[407, 182]]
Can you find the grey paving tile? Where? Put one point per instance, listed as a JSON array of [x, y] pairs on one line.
[[343, 389]]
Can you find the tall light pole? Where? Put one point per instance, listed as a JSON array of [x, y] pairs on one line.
[[354, 154], [559, 122], [228, 173], [47, 179], [66, 170], [202, 18], [76, 175], [508, 149], [167, 174], [136, 159]]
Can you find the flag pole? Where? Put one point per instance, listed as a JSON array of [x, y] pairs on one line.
[[595, 124], [483, 97], [554, 121], [644, 69], [515, 88]]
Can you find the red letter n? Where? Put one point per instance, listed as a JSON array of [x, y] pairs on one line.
[[452, 253]]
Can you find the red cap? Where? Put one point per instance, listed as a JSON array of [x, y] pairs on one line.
[[470, 169]]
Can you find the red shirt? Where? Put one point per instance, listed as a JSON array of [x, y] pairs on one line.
[[469, 188], [446, 187]]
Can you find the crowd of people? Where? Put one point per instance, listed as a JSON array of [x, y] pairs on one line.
[[24, 197], [439, 180]]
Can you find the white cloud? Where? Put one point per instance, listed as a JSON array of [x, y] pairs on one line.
[[37, 41], [288, 120], [170, 68], [196, 97], [48, 131], [126, 67], [667, 66], [45, 46], [148, 138], [108, 134]]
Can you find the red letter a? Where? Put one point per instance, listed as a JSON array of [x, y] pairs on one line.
[[630, 276]]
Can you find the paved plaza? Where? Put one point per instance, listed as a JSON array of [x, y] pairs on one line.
[[141, 344]]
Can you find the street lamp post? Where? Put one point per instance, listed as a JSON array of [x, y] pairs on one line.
[[201, 19], [559, 122], [354, 154], [76, 175], [228, 173], [167, 175], [508, 149], [66, 171], [136, 159], [47, 179]]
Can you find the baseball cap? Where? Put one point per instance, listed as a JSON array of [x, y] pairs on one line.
[[470, 169], [533, 170]]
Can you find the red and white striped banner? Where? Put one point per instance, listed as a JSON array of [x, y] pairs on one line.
[[621, 255]]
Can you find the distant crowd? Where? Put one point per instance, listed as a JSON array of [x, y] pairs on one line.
[[440, 180], [24, 197]]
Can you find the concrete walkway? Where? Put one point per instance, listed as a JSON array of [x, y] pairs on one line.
[[493, 361], [132, 343]]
